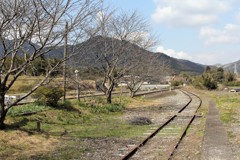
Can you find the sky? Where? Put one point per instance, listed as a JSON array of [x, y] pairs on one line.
[[202, 31]]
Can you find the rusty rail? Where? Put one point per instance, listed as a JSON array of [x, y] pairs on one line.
[[136, 148]]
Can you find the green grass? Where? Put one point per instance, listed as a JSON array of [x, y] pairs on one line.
[[90, 125], [228, 106], [228, 117], [27, 109], [90, 118]]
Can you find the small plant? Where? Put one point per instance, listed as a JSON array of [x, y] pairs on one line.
[[48, 95], [107, 108], [176, 83], [141, 121]]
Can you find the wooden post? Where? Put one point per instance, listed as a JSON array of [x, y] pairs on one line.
[[38, 126], [78, 92], [64, 63]]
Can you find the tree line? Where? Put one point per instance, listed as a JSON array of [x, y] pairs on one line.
[[212, 77]]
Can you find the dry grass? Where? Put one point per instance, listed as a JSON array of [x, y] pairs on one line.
[[146, 101], [139, 102], [21, 145], [24, 83]]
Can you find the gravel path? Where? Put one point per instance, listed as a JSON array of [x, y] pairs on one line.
[[215, 144]]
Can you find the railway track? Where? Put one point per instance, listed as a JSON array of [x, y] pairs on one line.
[[163, 141]]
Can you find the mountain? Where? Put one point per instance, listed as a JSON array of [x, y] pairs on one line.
[[231, 66], [93, 45], [88, 50], [180, 65]]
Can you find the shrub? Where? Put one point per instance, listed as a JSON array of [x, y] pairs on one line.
[[176, 83], [205, 82], [209, 82], [48, 95]]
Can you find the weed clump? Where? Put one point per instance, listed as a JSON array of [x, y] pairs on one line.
[[48, 95], [107, 108], [141, 121], [98, 105]]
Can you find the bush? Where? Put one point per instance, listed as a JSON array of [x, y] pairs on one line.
[[176, 83], [205, 82], [48, 95], [209, 82]]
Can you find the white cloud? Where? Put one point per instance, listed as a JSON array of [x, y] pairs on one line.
[[229, 34], [237, 16], [173, 53], [189, 12], [212, 58]]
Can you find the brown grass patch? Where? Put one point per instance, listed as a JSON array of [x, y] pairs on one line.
[[19, 144], [135, 103], [150, 100], [24, 83]]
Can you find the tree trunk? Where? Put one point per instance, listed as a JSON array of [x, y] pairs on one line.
[[2, 119], [3, 111], [109, 93], [109, 97], [132, 94]]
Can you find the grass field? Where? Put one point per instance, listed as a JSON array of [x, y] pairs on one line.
[[64, 128]]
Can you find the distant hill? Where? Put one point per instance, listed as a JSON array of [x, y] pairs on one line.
[[231, 66], [180, 65], [176, 66], [92, 45]]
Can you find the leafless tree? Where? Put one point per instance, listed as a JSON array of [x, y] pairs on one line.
[[33, 28], [160, 67], [151, 70], [118, 46], [134, 84]]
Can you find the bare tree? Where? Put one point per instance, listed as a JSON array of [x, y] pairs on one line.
[[159, 67], [118, 46], [151, 70], [31, 29], [134, 84]]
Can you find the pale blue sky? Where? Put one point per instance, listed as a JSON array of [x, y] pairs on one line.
[[207, 32]]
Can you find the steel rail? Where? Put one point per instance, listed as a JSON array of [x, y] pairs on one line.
[[188, 125], [137, 147]]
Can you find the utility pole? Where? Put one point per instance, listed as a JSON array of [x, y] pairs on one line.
[[235, 69], [64, 63]]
